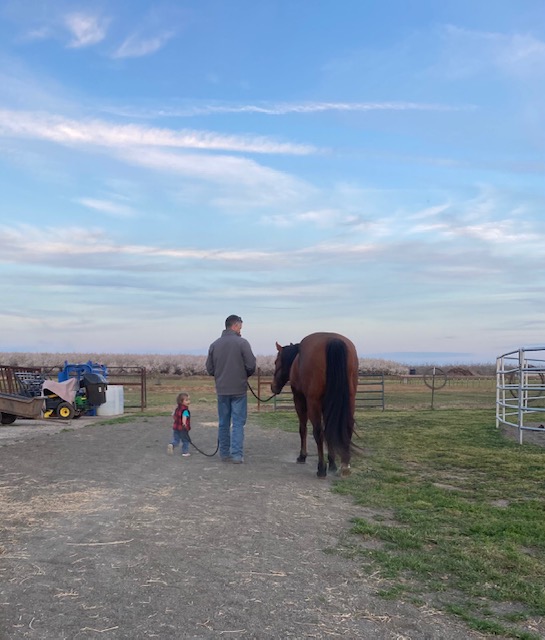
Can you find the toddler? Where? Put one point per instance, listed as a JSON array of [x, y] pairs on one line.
[[181, 426]]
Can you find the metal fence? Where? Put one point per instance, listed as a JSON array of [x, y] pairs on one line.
[[369, 394], [520, 390]]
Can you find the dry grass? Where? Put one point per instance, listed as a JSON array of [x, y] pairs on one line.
[[64, 499]]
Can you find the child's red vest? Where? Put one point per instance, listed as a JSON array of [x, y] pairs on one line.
[[178, 426]]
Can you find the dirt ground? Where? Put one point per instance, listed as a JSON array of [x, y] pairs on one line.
[[103, 535]]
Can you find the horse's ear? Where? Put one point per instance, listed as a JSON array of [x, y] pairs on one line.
[[278, 347]]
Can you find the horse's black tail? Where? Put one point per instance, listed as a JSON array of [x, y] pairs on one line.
[[338, 417]]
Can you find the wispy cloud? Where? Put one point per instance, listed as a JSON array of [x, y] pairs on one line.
[[471, 52], [430, 212], [108, 207], [504, 232], [318, 107], [100, 133], [39, 33], [22, 243], [137, 46], [320, 218], [27, 244], [242, 178], [86, 29], [286, 108]]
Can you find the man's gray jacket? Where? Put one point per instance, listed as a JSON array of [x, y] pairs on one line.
[[231, 361]]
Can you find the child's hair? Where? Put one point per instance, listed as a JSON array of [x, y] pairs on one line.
[[181, 397]]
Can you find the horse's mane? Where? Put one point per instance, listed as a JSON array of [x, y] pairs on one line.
[[288, 354]]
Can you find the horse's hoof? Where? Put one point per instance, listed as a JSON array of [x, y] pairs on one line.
[[344, 471], [301, 459], [322, 472], [332, 468]]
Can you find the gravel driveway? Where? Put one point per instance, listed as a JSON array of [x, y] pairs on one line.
[[105, 536]]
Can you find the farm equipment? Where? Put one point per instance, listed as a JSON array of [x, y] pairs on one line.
[[78, 390], [72, 398], [26, 393]]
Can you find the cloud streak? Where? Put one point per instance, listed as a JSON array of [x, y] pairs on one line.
[[108, 207], [99, 133], [137, 46], [288, 108], [235, 174], [26, 243]]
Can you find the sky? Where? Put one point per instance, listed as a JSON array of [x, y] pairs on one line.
[[374, 169]]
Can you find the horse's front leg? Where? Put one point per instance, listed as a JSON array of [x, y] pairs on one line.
[[301, 408]]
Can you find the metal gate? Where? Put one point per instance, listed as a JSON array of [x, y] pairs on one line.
[[520, 390], [369, 394]]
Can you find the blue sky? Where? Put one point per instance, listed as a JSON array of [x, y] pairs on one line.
[[371, 168]]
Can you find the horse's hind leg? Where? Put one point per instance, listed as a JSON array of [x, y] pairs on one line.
[[301, 408], [332, 466], [318, 433], [345, 464], [302, 457], [319, 437]]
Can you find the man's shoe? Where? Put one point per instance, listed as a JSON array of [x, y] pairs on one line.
[[186, 455], [238, 460]]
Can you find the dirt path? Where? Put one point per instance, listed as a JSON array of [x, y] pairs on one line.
[[105, 536]]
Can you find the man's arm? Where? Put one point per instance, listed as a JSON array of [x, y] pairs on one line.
[[248, 358], [210, 363]]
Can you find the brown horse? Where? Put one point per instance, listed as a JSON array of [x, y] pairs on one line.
[[323, 372]]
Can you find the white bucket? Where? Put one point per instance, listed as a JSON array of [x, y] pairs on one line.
[[115, 404]]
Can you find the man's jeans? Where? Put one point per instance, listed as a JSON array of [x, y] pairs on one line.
[[232, 409]]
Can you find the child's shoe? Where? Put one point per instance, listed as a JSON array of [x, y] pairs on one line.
[[170, 449]]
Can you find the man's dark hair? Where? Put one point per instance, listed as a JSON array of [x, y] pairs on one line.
[[231, 320]]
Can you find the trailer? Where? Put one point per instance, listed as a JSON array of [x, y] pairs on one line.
[[13, 406]]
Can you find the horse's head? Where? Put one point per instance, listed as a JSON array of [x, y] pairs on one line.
[[282, 366]]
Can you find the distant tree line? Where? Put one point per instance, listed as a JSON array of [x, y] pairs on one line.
[[191, 365]]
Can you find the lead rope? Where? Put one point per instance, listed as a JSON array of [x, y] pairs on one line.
[[211, 455], [208, 455], [257, 397]]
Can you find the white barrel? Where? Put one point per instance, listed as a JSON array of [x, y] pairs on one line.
[[115, 404]]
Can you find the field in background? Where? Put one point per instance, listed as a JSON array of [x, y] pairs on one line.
[[188, 365], [401, 393], [167, 375]]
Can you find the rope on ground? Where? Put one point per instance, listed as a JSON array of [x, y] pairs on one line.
[[208, 455]]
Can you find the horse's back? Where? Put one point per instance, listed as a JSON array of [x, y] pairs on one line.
[[321, 339]]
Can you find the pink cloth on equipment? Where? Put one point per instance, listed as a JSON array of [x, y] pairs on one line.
[[65, 390]]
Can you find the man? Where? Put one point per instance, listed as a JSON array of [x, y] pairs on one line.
[[231, 361]]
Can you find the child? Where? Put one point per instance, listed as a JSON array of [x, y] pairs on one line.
[[181, 426]]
